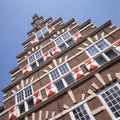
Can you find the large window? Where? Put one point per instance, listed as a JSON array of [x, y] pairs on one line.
[[41, 33], [110, 97], [64, 41], [61, 76], [24, 99], [81, 112], [101, 52], [36, 59]]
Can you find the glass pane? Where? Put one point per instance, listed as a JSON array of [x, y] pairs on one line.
[[38, 54], [44, 30], [22, 108], [28, 91], [100, 60], [59, 41], [62, 47], [92, 50], [30, 103], [40, 61], [63, 69], [31, 59], [20, 96], [70, 42], [69, 79], [111, 54], [102, 44], [66, 36], [59, 85], [39, 34], [80, 113], [55, 74], [113, 100], [34, 66]]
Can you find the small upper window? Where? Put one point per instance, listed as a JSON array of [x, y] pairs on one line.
[[41, 33], [36, 59], [64, 41], [61, 76]]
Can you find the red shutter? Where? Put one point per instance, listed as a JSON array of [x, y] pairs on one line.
[[51, 29], [50, 89], [37, 97], [12, 113], [77, 73], [77, 36], [27, 69], [91, 64], [55, 50], [34, 40], [47, 56]]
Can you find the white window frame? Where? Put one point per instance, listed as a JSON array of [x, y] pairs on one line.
[[61, 77], [101, 52], [24, 101], [64, 41], [36, 59], [104, 102], [42, 33], [86, 108]]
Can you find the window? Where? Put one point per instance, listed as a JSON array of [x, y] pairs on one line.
[[64, 41], [81, 112], [110, 97], [36, 59], [24, 99], [101, 52], [61, 76], [41, 33]]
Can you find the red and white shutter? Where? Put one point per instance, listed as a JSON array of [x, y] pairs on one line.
[[37, 97], [91, 64], [47, 56], [34, 40], [77, 36], [27, 69], [12, 113], [117, 45], [50, 89], [55, 50], [77, 73], [51, 29]]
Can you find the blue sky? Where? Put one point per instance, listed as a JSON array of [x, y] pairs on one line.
[[16, 16]]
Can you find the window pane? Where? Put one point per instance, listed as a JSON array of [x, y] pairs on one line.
[[59, 85], [38, 54], [111, 54], [66, 36], [80, 113], [100, 60], [20, 96], [28, 91], [21, 108], [70, 42], [31, 59], [102, 44], [113, 100], [62, 47], [69, 79], [59, 41], [40, 61], [63, 69], [30, 103], [34, 66], [92, 50], [44, 30], [55, 74], [39, 34]]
